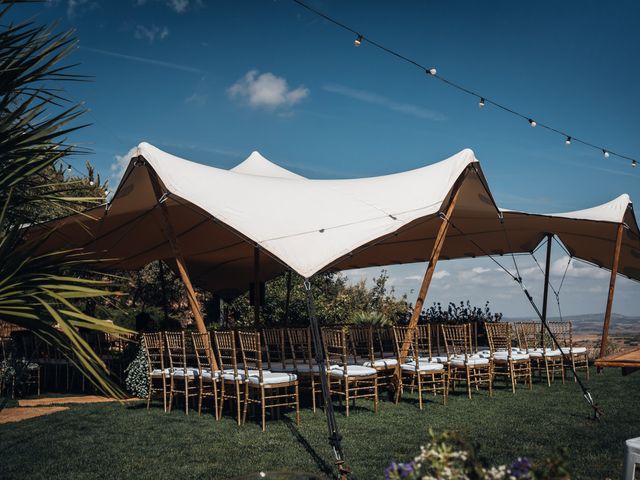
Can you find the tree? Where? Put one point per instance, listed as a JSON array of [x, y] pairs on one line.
[[40, 291]]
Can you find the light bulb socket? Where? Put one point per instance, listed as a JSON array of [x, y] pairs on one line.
[[481, 103], [605, 153], [532, 122], [568, 141], [358, 41], [634, 163]]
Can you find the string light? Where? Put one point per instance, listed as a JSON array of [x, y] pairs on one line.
[[634, 164], [433, 72], [68, 168], [106, 193], [92, 183]]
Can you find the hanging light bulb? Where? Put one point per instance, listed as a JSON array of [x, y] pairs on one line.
[[568, 141], [532, 123], [106, 193], [432, 71], [358, 41], [634, 164], [69, 167], [91, 182], [481, 103], [605, 153]]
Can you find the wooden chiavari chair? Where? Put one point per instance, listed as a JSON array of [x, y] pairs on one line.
[[182, 378], [532, 341], [579, 357], [507, 363], [369, 344], [346, 380], [208, 375], [463, 364], [32, 355], [417, 369], [232, 387], [275, 348], [153, 345], [304, 364], [268, 389]]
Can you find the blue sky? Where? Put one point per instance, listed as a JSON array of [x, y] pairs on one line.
[[212, 81]]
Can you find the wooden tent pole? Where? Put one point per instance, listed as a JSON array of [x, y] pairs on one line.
[[175, 248], [256, 286], [428, 275], [612, 287]]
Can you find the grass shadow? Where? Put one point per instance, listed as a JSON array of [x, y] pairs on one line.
[[322, 465]]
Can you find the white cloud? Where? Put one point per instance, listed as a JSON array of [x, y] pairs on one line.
[[118, 167], [577, 269], [441, 274], [197, 99], [480, 270], [179, 6], [151, 33], [150, 61], [79, 7], [266, 90], [375, 99]]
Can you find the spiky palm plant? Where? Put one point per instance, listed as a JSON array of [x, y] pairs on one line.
[[40, 291]]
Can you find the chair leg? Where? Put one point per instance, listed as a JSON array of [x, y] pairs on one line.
[[512, 374], [186, 394], [586, 359], [149, 393], [264, 409], [298, 404], [313, 393], [200, 392], [375, 395], [170, 393], [468, 381], [215, 399], [419, 380], [346, 391], [242, 414], [164, 393]]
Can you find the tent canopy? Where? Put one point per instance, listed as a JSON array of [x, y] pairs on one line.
[[220, 216]]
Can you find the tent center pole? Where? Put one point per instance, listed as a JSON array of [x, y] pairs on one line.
[[612, 286], [545, 294], [256, 286]]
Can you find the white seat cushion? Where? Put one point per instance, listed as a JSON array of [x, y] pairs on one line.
[[206, 375], [382, 363], [460, 362], [575, 350], [270, 378], [422, 366], [228, 375], [514, 356], [437, 359], [352, 371], [306, 368]]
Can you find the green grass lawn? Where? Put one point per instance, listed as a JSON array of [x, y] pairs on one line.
[[126, 441]]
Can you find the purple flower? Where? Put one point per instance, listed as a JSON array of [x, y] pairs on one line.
[[520, 468], [402, 470]]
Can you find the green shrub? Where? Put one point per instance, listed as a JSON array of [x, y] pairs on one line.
[[137, 375]]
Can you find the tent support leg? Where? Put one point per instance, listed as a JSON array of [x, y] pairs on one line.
[[428, 275], [256, 286], [334, 435], [612, 286]]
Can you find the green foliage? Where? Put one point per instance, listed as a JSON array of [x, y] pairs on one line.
[[38, 291], [335, 300], [460, 313], [375, 319], [137, 375]]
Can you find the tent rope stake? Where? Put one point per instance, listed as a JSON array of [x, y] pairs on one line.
[[334, 435]]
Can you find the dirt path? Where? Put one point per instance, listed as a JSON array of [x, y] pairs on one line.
[[17, 414]]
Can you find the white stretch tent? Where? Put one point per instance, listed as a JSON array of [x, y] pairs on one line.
[[218, 217]]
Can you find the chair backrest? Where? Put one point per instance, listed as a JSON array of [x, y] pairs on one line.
[[361, 344], [563, 333], [301, 346], [202, 350], [176, 349], [335, 345], [153, 348], [457, 339], [423, 341], [499, 337], [400, 335], [275, 347], [529, 335], [251, 352], [225, 341], [383, 342]]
